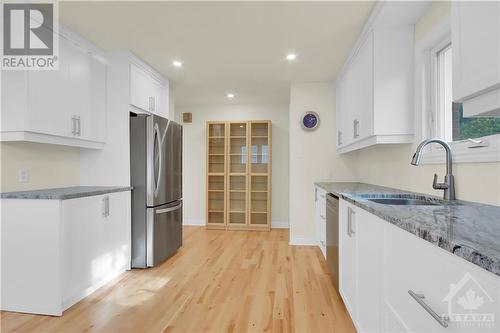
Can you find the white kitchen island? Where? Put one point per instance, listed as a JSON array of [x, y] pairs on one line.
[[60, 245]]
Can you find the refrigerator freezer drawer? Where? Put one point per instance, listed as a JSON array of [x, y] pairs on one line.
[[164, 232]]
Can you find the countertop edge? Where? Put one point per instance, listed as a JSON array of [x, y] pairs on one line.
[[485, 262], [38, 195]]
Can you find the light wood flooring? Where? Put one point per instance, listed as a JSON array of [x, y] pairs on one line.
[[219, 281]]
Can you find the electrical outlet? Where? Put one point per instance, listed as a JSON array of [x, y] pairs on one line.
[[23, 175]]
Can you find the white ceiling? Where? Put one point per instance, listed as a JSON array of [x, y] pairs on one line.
[[235, 47]]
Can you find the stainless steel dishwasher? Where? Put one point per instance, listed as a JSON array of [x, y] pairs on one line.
[[332, 237]]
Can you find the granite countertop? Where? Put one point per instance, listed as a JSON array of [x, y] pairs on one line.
[[64, 193], [467, 229]]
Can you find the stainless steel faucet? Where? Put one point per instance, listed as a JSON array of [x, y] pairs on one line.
[[449, 183]]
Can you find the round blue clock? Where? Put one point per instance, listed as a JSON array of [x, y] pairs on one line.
[[310, 120]]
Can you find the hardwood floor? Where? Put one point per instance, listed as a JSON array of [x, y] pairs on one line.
[[219, 281]]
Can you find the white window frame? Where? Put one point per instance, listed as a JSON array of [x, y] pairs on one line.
[[485, 149]]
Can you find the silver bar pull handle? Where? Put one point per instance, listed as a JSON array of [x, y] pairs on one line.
[[356, 125], [339, 139], [350, 229], [442, 320], [167, 210], [107, 206], [73, 125], [79, 132]]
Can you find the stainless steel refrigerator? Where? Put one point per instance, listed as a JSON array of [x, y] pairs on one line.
[[156, 175]]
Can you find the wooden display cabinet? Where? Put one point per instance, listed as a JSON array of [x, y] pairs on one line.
[[239, 175]]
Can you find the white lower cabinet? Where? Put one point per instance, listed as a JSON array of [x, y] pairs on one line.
[[360, 261], [69, 249], [380, 264], [95, 245], [320, 218]]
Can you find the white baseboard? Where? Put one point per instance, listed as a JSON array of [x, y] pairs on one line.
[[274, 224], [302, 240], [279, 225], [193, 222]]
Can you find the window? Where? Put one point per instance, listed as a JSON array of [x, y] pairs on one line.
[[437, 115], [451, 125]]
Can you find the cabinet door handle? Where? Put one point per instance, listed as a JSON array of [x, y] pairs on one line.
[[355, 129], [79, 128], [350, 229], [322, 217], [442, 320], [339, 137], [105, 202], [153, 101], [107, 206], [73, 125]]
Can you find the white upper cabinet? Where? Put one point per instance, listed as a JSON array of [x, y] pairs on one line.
[[65, 106], [375, 91], [476, 56], [148, 90]]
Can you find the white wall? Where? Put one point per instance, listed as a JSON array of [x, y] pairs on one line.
[[390, 165], [194, 155], [313, 156], [48, 166]]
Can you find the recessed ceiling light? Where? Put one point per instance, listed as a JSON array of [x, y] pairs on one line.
[[291, 56], [177, 63], [230, 95]]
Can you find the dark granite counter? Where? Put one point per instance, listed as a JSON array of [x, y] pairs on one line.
[[467, 229], [64, 193]]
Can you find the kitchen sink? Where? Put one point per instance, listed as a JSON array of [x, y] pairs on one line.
[[403, 202]]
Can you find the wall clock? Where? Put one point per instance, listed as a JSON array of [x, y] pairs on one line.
[[310, 120]]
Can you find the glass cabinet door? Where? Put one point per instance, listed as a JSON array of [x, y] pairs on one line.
[[238, 165], [216, 148], [237, 214], [259, 199], [259, 173], [259, 148], [216, 166]]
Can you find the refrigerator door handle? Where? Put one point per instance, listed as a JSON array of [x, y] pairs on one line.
[[170, 209], [157, 179]]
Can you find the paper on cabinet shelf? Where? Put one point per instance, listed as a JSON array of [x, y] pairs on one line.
[[243, 154], [255, 150], [264, 154]]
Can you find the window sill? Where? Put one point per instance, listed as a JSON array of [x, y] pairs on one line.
[[465, 152]]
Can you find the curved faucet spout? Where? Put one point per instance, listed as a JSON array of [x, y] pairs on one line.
[[449, 184]]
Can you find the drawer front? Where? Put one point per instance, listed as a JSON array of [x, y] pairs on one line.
[[450, 286]]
